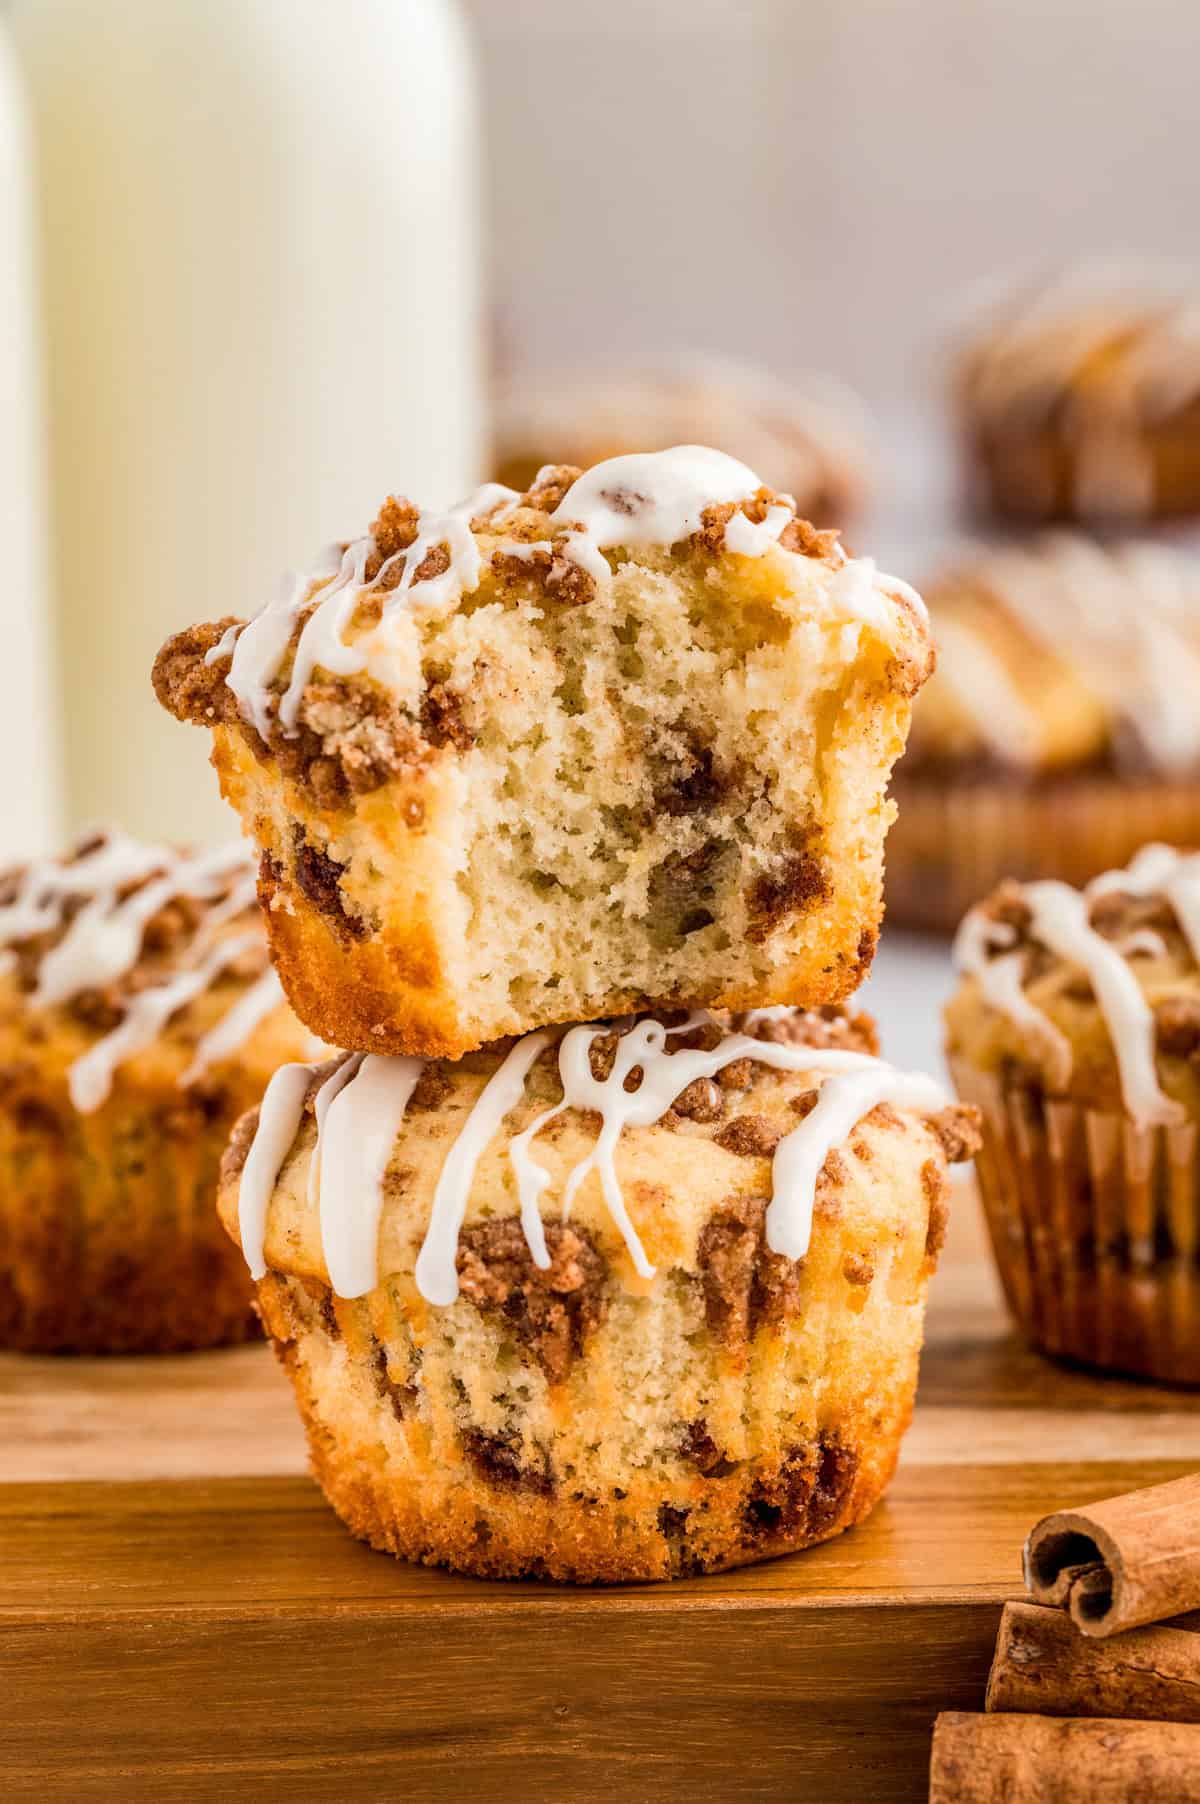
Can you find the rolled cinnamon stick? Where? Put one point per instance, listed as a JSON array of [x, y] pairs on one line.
[[1062, 1760], [1044, 1665], [1119, 1564]]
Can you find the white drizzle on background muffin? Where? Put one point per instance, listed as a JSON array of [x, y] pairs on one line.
[[986, 948], [102, 918], [1124, 616], [652, 498], [362, 1115]]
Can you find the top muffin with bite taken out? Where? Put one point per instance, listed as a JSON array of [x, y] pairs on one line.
[[622, 741]]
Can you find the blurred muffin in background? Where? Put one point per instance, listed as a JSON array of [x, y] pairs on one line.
[[1061, 729], [1076, 1032], [1081, 401], [810, 438], [139, 1017]]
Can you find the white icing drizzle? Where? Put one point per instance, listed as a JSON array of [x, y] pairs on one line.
[[1059, 919], [360, 1129], [1001, 983], [653, 497], [104, 939], [90, 1078], [334, 1084], [103, 942], [656, 498], [235, 1026], [1159, 870], [361, 1106], [279, 1117], [1006, 723], [436, 1274], [1125, 617]]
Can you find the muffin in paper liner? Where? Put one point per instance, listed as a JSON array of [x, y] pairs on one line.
[[953, 841], [1095, 1227]]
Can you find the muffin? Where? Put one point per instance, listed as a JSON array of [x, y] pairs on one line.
[[1076, 1032], [139, 1018], [620, 741], [623, 1302], [1061, 730], [1081, 401], [810, 437]]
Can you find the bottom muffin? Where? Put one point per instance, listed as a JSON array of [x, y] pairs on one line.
[[704, 1353]]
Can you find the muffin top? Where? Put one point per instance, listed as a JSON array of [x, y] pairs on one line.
[[1063, 656], [1092, 994], [126, 956], [369, 664], [641, 1130], [1095, 347], [809, 436]]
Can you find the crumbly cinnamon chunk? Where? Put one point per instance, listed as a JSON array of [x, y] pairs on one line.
[[745, 1283], [189, 688], [550, 487], [751, 1136], [958, 1130], [551, 1312], [936, 1189], [701, 1101], [396, 526], [442, 718], [824, 1029], [801, 536]]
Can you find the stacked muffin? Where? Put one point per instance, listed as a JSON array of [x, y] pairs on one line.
[[576, 1274], [139, 1018]]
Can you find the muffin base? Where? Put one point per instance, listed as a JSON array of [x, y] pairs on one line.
[[478, 1515], [111, 1240], [954, 842], [1095, 1227], [1135, 478]]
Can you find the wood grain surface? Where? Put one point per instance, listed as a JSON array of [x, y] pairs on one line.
[[181, 1616]]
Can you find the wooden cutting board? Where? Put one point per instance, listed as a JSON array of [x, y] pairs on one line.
[[182, 1618]]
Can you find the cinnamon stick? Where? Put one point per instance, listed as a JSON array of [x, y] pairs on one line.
[[1043, 1664], [1119, 1564], [1062, 1760]]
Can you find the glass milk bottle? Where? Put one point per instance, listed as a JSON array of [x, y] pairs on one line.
[[259, 234], [28, 740]]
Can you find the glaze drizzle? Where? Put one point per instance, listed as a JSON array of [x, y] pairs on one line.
[[1059, 918], [1126, 619], [349, 1183], [99, 906], [654, 498]]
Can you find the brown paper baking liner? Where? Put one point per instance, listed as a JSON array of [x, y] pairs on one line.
[[1095, 1227], [953, 843]]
